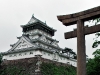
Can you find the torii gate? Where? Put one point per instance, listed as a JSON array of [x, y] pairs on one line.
[[80, 32]]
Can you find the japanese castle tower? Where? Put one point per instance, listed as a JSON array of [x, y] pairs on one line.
[[37, 40]]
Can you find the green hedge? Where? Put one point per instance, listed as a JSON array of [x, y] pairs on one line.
[[52, 69], [13, 70], [46, 69]]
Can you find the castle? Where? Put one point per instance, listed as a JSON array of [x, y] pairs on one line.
[[37, 40]]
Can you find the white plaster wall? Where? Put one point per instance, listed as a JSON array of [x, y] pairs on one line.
[[55, 44], [44, 46], [32, 32], [23, 45], [43, 33], [18, 56], [48, 41], [59, 59], [44, 55], [34, 37], [73, 62]]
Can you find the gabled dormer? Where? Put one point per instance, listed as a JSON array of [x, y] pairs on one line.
[[36, 24]]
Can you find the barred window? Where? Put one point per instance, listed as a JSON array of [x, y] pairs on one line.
[[25, 53], [31, 52], [48, 54], [15, 55], [44, 53], [20, 54], [10, 55], [61, 58]]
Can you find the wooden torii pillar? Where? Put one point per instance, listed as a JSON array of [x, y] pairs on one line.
[[79, 19]]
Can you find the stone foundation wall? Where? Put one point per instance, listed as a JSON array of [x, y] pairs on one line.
[[30, 66]]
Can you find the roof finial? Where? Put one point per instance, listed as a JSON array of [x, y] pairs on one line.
[[45, 22], [33, 15]]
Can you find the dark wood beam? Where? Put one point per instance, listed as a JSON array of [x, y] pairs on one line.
[[88, 30], [81, 53], [84, 15], [62, 17]]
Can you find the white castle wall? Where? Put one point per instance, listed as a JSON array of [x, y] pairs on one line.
[[19, 55], [34, 37], [35, 31], [44, 54]]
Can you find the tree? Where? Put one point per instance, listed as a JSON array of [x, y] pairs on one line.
[[0, 58], [93, 65], [69, 52], [96, 42]]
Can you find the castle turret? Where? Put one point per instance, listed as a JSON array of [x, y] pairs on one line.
[[36, 26]]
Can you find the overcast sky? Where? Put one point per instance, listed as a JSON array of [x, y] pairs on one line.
[[14, 13]]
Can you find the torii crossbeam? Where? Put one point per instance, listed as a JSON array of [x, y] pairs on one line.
[[80, 32]]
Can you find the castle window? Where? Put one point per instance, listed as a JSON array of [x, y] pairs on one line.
[[44, 53], [68, 63], [25, 53], [48, 54], [50, 48], [60, 58], [20, 54], [63, 58], [32, 27], [54, 55], [10, 55], [14, 54], [31, 52]]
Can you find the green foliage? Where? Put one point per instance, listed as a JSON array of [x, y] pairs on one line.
[[97, 53], [96, 42], [13, 70], [70, 53], [52, 69], [93, 65], [97, 20], [0, 58]]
